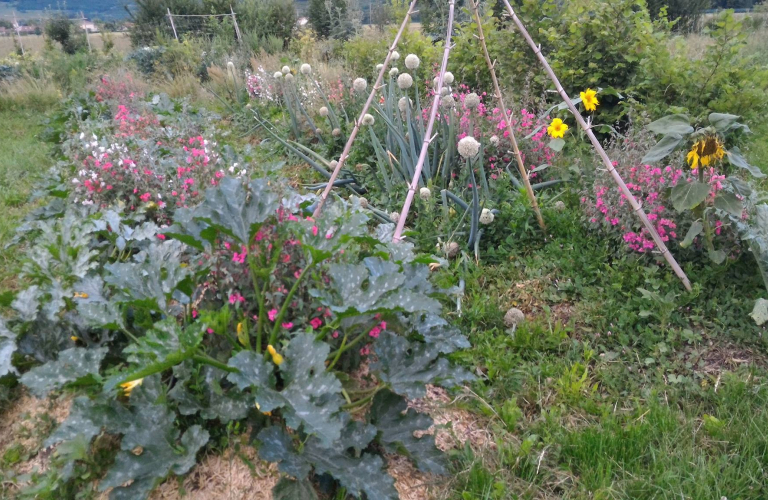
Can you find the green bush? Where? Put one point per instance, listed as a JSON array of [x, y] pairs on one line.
[[267, 20], [685, 13], [63, 31]]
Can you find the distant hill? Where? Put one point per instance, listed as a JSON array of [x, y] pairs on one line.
[[93, 9]]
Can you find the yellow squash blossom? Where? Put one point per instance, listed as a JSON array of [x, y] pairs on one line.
[[267, 413], [74, 338], [79, 295], [129, 386], [557, 128], [277, 358], [589, 98], [705, 152], [242, 336]]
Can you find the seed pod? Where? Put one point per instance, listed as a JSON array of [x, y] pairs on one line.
[[514, 317]]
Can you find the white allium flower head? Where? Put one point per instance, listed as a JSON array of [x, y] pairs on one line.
[[412, 61], [359, 85], [305, 69], [286, 70], [448, 102], [514, 317], [495, 140], [405, 81], [333, 164], [368, 119], [448, 77], [486, 216], [395, 55], [435, 81], [394, 72], [468, 147], [289, 77], [472, 101], [231, 66], [559, 205], [323, 111], [336, 132], [379, 66], [403, 103], [425, 193], [363, 202], [395, 216], [445, 91]]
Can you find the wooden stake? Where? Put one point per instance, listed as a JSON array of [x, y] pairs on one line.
[[374, 90], [85, 28], [173, 26], [428, 134], [520, 165], [599, 148], [18, 34], [237, 28]]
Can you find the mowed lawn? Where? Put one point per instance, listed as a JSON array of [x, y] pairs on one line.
[[24, 157]]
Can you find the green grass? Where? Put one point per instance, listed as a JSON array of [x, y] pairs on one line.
[[592, 398], [23, 158]]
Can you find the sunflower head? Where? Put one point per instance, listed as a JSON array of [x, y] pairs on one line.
[[557, 128], [705, 152], [589, 98]]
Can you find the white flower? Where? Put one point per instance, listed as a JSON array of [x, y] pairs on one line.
[[323, 111], [514, 317], [435, 81], [368, 119], [333, 164], [286, 70], [395, 55], [472, 101], [379, 66], [445, 91], [486, 216], [306, 69], [403, 103], [359, 85], [468, 147], [495, 140], [363, 202], [394, 72], [278, 75], [231, 66], [336, 132], [395, 216], [289, 77], [425, 193], [405, 81], [560, 206], [412, 61], [447, 102], [448, 77]]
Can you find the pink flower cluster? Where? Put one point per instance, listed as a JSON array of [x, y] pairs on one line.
[[648, 184]]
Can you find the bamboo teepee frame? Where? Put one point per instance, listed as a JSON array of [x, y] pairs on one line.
[[510, 131], [428, 134], [375, 88], [636, 207]]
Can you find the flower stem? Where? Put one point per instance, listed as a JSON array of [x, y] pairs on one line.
[[349, 346], [338, 352], [287, 303]]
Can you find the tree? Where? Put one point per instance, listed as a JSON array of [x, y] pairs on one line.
[[319, 18], [262, 19], [686, 12], [60, 29]]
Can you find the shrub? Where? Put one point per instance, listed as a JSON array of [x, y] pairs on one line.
[[63, 31], [265, 20]]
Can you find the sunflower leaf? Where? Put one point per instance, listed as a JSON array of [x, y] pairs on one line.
[[688, 195]]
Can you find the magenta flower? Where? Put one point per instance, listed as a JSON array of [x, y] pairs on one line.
[[287, 326], [316, 323], [236, 297], [272, 315]]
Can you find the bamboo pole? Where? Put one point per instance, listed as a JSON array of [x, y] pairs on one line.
[[637, 208], [173, 25], [510, 130], [428, 134], [353, 135]]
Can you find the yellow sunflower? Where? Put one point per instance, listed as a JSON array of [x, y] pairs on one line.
[[557, 128], [589, 98], [705, 152]]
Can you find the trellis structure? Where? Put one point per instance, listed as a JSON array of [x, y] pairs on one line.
[[428, 138]]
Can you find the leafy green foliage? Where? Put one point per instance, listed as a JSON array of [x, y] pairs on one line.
[[72, 365]]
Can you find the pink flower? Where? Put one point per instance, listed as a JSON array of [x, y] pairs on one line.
[[272, 314], [194, 313], [161, 236], [314, 230], [145, 197], [375, 332], [335, 334], [210, 330], [316, 323], [383, 325], [287, 326], [297, 274], [236, 297]]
